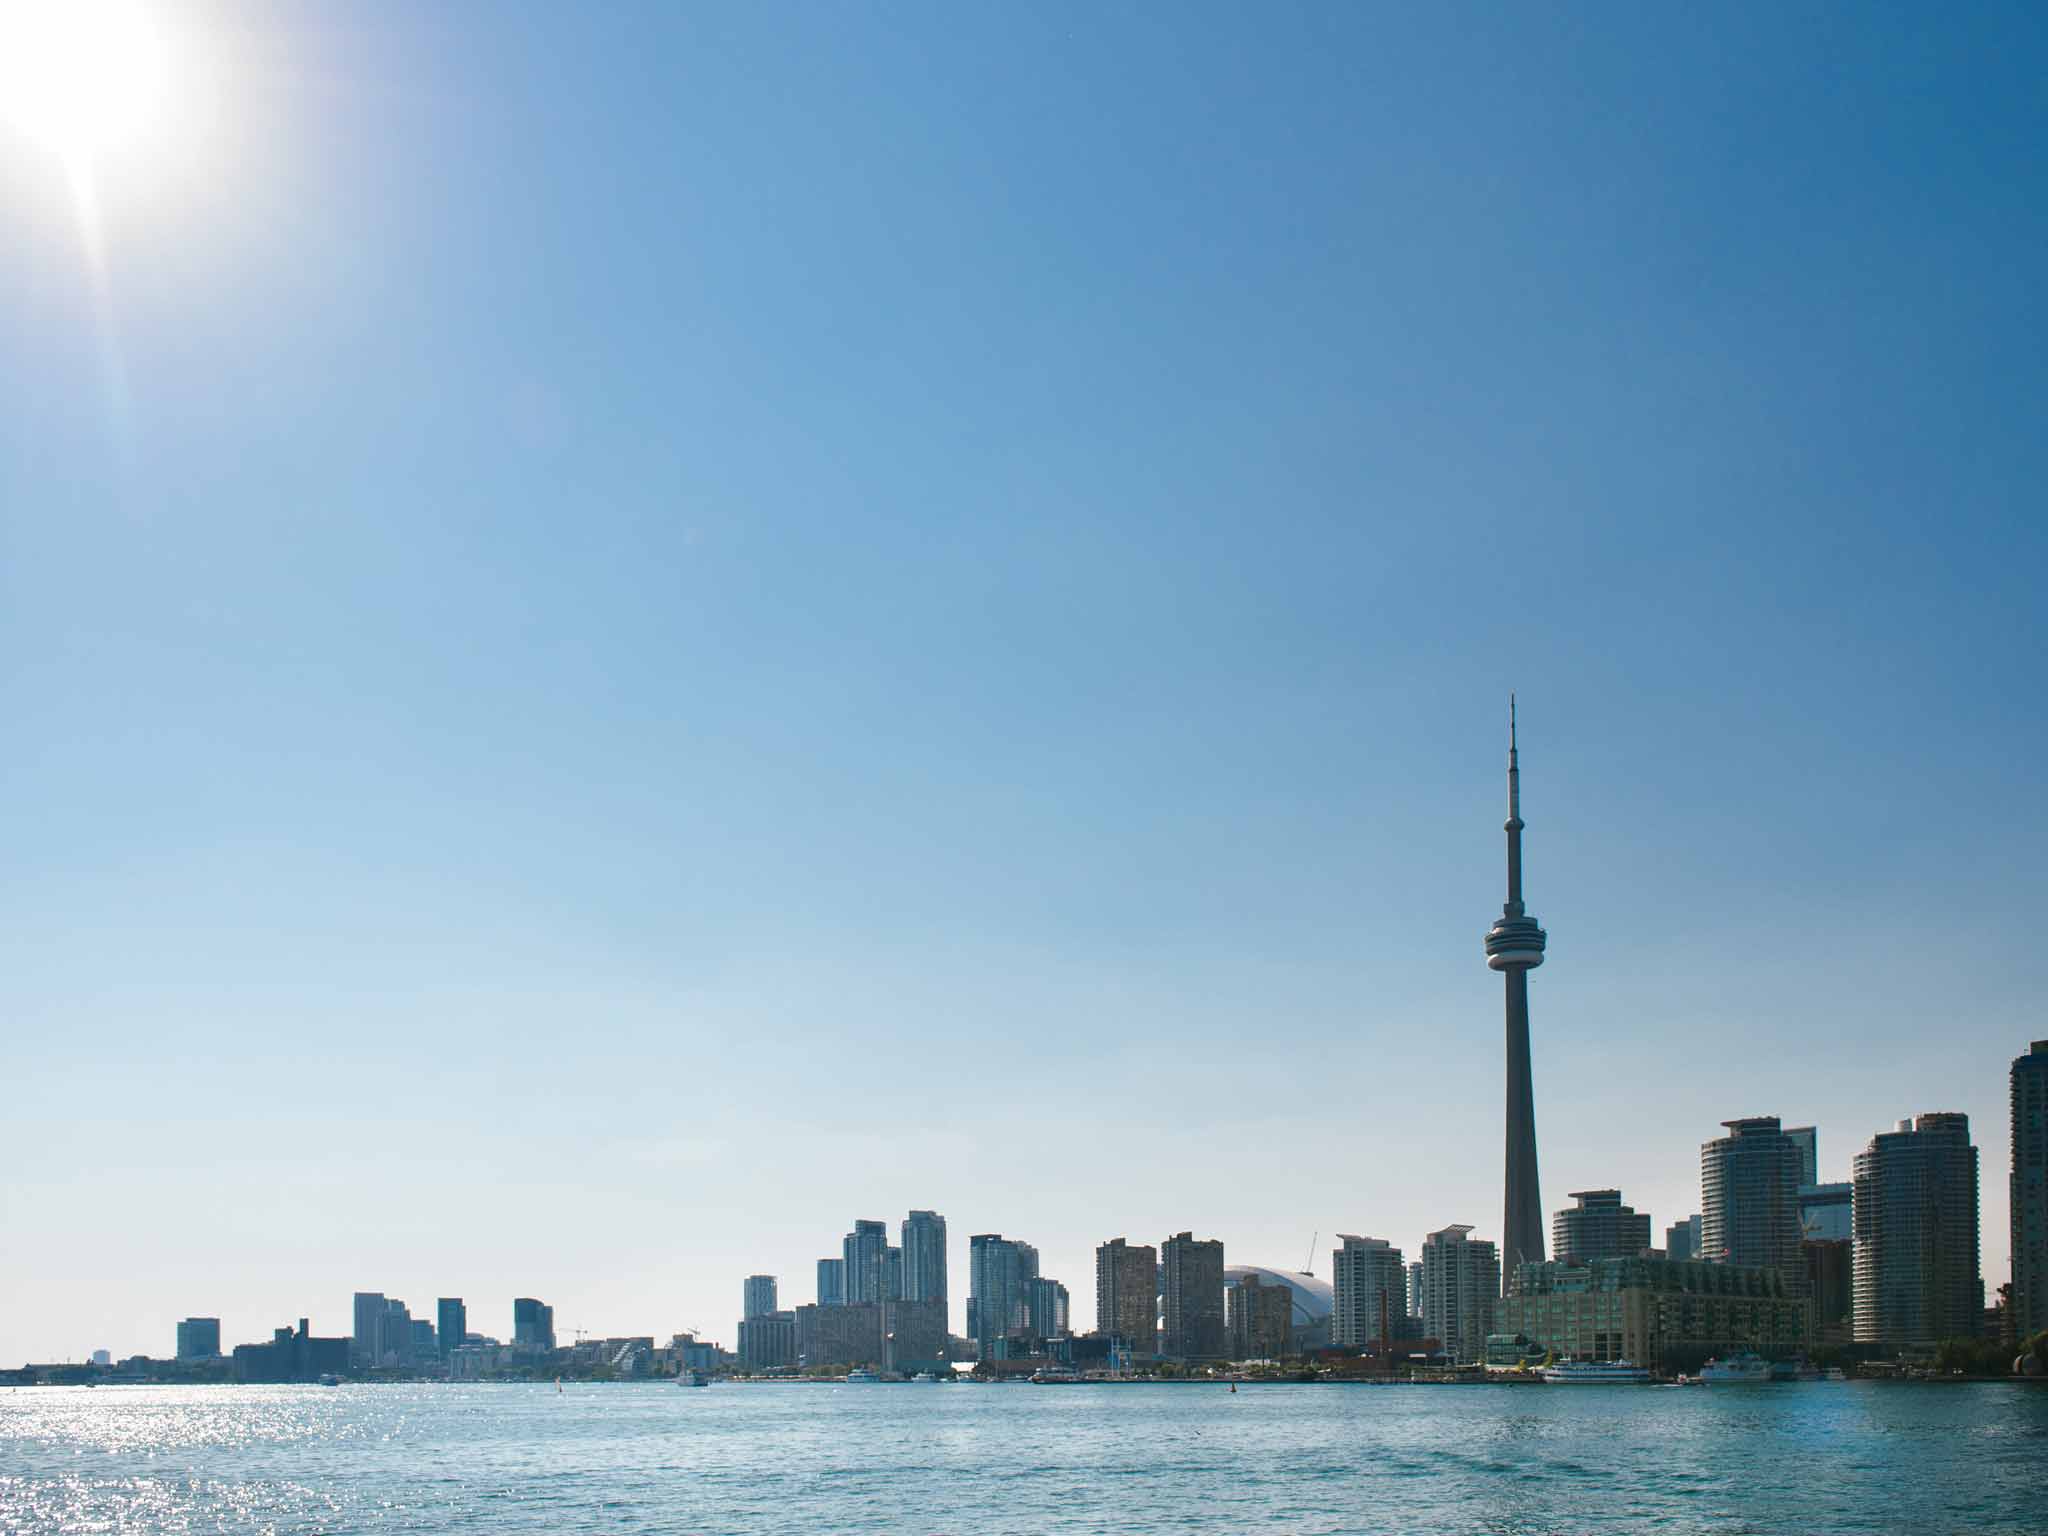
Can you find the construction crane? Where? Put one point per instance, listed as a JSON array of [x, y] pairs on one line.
[[1310, 1267]]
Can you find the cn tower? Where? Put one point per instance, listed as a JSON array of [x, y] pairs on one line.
[[1514, 947]]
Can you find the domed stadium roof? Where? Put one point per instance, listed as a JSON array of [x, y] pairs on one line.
[[1312, 1296]]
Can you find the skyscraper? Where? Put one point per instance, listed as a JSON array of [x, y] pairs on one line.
[[1514, 946], [924, 1256], [366, 1344], [831, 1282], [451, 1324], [1598, 1227], [199, 1338], [1127, 1296], [533, 1326], [1916, 1260], [1807, 1139], [1460, 1288], [395, 1342], [1045, 1307], [2029, 1192], [1191, 1302], [1749, 1194], [1682, 1239], [1415, 1291], [757, 1296], [1369, 1284], [866, 1251], [997, 1272], [1260, 1314]]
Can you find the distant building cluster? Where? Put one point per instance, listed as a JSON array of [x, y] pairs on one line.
[[1887, 1262]]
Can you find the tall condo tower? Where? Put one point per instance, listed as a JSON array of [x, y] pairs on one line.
[[1514, 947]]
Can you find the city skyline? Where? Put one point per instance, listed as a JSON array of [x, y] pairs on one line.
[[665, 623]]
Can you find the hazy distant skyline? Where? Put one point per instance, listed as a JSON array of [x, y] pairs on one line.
[[631, 635]]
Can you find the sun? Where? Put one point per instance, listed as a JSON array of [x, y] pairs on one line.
[[82, 78]]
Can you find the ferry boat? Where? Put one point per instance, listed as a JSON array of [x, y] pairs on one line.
[[860, 1374], [924, 1376], [1596, 1373], [1742, 1368], [693, 1379], [1054, 1376]]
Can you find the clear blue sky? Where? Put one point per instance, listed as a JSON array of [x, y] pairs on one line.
[[627, 634]]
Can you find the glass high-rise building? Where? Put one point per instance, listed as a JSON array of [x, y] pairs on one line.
[[451, 1323], [199, 1338], [1682, 1239], [366, 1344], [924, 1256], [757, 1297], [1749, 1194], [2029, 1192], [831, 1282], [533, 1326], [1918, 1278], [998, 1269], [866, 1252]]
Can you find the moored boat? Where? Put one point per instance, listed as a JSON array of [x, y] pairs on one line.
[[1742, 1368], [1596, 1373]]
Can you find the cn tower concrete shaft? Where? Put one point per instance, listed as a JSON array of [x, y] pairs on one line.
[[1514, 947]]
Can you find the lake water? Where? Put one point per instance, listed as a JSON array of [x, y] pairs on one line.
[[1817, 1457]]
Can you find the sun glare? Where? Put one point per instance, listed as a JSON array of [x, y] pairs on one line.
[[82, 78]]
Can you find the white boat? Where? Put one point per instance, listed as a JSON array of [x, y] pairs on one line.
[[329, 1379], [860, 1374], [693, 1379], [924, 1376], [1596, 1373], [1742, 1368], [1055, 1376]]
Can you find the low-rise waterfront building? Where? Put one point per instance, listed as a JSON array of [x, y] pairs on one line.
[[850, 1334], [915, 1335], [291, 1355], [1664, 1313], [768, 1342]]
